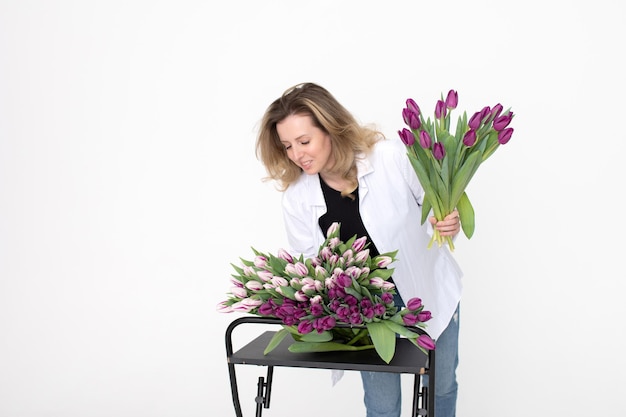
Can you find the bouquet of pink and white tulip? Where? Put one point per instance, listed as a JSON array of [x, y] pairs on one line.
[[444, 162], [343, 284]]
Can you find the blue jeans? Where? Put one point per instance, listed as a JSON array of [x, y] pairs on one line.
[[382, 391]]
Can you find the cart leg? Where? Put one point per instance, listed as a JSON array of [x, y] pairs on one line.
[[233, 389], [264, 391]]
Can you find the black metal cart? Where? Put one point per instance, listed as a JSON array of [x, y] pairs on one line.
[[408, 359]]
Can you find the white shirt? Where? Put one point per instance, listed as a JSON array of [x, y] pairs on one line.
[[390, 197]]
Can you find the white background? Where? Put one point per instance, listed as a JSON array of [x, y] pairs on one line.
[[128, 184]]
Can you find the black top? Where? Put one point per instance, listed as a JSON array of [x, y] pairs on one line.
[[344, 210]]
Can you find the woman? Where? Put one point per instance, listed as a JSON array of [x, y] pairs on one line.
[[332, 169]]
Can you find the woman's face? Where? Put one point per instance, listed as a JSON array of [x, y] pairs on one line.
[[307, 146]]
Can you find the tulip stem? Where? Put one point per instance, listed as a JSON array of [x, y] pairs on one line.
[[360, 335]]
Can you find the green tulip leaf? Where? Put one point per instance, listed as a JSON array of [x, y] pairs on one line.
[[464, 175], [466, 214], [317, 337], [384, 340], [275, 341], [401, 329]]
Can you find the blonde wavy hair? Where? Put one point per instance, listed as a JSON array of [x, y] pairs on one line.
[[348, 138]]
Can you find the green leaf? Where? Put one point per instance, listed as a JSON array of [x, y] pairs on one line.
[[289, 292], [381, 273], [354, 293], [400, 329], [424, 179], [384, 340], [466, 214], [464, 175], [426, 207], [317, 337], [275, 341]]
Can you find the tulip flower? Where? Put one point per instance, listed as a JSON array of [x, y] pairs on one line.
[[470, 138], [414, 304], [260, 261], [425, 140], [452, 99], [496, 110], [505, 135], [383, 261], [283, 254], [500, 122], [409, 319], [439, 151], [359, 243], [254, 285], [424, 316], [412, 105], [406, 136], [411, 119], [475, 121], [440, 109], [426, 342]]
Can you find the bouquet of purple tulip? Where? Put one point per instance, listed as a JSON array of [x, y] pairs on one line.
[[445, 163], [342, 284]]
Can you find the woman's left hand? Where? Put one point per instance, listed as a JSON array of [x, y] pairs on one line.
[[449, 226]]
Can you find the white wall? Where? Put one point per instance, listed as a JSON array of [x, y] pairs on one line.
[[128, 184]]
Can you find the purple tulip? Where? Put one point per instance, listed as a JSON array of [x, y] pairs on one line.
[[475, 120], [424, 316], [505, 135], [485, 113], [406, 136], [267, 309], [500, 122], [452, 99], [414, 304], [317, 310], [426, 342], [412, 105], [440, 109], [425, 140], [344, 280], [386, 298], [305, 327], [409, 319], [380, 309], [411, 119], [495, 112], [469, 139], [439, 152]]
